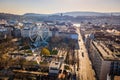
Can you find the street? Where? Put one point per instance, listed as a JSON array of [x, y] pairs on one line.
[[85, 71]]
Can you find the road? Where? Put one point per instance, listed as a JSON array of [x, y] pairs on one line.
[[85, 71]]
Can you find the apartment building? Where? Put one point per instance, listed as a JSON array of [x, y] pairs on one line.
[[105, 62]]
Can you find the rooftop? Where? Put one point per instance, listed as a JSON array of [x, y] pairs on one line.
[[55, 65], [105, 52]]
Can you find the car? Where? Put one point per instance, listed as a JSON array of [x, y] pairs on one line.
[[74, 77], [82, 54], [60, 71]]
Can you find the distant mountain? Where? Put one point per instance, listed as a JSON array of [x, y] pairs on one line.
[[75, 14], [34, 14], [9, 16], [70, 16], [78, 13]]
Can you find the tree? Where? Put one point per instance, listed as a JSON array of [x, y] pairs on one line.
[[71, 43], [55, 40], [6, 47], [45, 52], [54, 52]]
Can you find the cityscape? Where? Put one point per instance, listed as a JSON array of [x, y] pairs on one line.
[[55, 44]]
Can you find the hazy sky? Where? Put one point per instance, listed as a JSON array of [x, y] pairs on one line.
[[55, 6]]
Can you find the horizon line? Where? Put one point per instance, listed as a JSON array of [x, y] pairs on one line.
[[61, 12]]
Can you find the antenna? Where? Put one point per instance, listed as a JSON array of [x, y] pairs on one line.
[[61, 14], [111, 20]]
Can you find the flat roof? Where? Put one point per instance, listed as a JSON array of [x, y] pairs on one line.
[[55, 64], [30, 72], [67, 32], [104, 51]]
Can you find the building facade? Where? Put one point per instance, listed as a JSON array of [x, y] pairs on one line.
[[104, 61]]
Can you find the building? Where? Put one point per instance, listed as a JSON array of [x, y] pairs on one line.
[[105, 62], [64, 31], [68, 35], [25, 32], [16, 32], [54, 67], [5, 32]]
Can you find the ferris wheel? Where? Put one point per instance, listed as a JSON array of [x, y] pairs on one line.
[[39, 34]]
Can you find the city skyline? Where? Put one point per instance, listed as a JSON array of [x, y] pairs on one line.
[[56, 6]]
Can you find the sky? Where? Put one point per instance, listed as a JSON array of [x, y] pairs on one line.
[[58, 6]]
